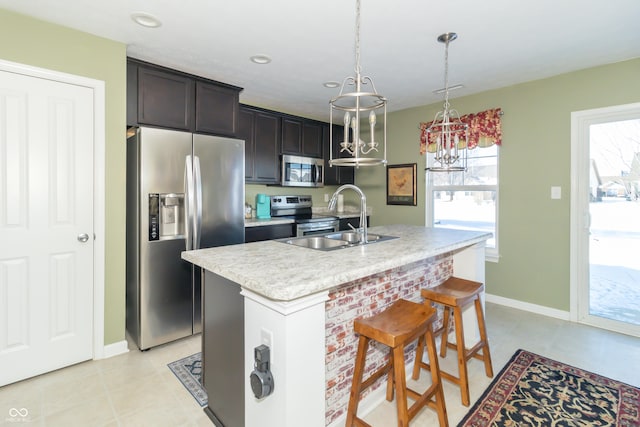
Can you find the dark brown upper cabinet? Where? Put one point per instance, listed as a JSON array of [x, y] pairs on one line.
[[291, 135], [162, 97], [312, 138], [336, 175], [260, 130], [217, 109], [302, 137], [165, 99]]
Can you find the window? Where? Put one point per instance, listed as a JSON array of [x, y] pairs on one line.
[[467, 200]]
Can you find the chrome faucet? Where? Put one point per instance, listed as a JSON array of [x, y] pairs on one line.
[[362, 230]]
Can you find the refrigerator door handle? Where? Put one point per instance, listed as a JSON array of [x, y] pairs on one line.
[[189, 205], [197, 225]]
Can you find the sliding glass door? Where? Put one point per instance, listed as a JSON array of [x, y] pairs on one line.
[[606, 218]]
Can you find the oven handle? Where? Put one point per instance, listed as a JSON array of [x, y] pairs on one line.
[[324, 226], [313, 225]]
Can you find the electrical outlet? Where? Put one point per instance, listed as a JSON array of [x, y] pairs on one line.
[[266, 338], [326, 197]]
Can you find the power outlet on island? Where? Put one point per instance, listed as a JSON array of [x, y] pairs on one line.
[[266, 338]]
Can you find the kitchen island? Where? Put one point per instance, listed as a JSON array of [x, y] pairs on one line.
[[301, 303]]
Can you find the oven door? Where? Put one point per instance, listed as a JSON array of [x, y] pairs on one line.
[[319, 227]]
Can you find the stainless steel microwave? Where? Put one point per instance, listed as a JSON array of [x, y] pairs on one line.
[[299, 171]]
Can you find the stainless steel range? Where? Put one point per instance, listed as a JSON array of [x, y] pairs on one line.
[[299, 209]]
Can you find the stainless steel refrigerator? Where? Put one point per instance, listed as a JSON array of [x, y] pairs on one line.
[[184, 191]]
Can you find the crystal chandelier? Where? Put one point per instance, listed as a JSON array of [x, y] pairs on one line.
[[448, 131], [357, 105]]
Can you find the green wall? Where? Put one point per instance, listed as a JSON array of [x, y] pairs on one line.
[[40, 44], [533, 229]]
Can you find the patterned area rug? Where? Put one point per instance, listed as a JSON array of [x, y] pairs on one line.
[[189, 372], [532, 390]]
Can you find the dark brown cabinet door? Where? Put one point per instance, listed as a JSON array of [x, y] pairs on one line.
[[312, 139], [355, 222], [301, 137], [246, 126], [165, 99], [132, 94], [261, 132], [291, 136], [268, 232], [216, 109], [267, 154], [336, 175]]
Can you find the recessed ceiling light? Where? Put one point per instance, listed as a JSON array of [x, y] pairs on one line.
[[146, 20], [260, 59], [331, 84]]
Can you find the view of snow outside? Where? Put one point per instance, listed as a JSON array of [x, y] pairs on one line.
[[466, 210], [614, 242], [614, 245], [458, 202]]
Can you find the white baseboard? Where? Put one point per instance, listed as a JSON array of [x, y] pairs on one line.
[[115, 349], [526, 306]]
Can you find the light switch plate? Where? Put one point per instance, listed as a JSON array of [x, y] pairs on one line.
[[556, 192]]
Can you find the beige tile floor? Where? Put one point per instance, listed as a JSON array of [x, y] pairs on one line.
[[133, 389], [138, 389]]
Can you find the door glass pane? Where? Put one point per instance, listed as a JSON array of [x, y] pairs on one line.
[[614, 240]]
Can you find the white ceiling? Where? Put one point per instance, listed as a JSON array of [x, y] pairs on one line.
[[500, 42]]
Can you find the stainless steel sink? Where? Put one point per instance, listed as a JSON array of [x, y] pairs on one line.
[[351, 236], [316, 242], [332, 241]]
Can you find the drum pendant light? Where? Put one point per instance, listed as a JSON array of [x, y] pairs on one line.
[[447, 130], [349, 108]]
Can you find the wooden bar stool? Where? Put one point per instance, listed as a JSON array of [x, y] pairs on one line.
[[455, 294], [398, 325]]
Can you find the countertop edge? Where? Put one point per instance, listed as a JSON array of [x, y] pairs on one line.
[[285, 272]]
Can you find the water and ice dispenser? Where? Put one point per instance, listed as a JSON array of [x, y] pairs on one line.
[[166, 216]]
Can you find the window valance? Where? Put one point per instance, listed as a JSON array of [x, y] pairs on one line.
[[485, 130]]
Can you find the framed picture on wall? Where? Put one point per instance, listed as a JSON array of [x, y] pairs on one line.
[[401, 184]]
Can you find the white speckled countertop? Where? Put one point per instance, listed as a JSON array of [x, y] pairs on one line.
[[255, 222], [285, 272]]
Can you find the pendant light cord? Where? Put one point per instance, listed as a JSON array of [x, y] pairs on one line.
[[446, 77], [358, 69]]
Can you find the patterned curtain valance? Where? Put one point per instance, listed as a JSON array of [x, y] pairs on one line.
[[485, 130]]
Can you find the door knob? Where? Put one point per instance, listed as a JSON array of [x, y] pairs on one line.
[[83, 237]]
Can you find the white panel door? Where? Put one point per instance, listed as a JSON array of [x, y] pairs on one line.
[[46, 225]]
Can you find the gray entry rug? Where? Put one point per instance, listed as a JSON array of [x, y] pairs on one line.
[[189, 371]]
